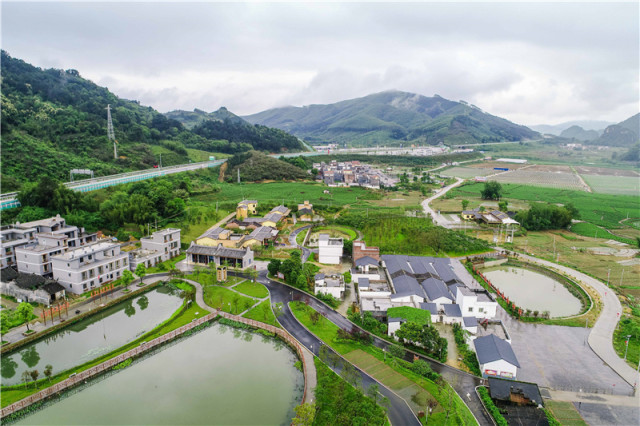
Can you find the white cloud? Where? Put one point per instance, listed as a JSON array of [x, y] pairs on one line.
[[530, 63]]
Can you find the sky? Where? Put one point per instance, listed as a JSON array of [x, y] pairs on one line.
[[532, 63]]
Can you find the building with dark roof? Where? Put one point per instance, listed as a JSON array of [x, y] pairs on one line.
[[203, 255], [520, 393], [30, 287], [496, 357]]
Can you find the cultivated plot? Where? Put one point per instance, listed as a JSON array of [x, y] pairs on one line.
[[609, 184]]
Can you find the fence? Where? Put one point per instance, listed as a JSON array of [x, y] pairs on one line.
[[82, 377]]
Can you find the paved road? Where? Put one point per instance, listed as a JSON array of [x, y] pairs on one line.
[[292, 242], [438, 219], [399, 412], [462, 382], [600, 338]]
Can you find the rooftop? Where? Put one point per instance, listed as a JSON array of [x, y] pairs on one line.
[[89, 249], [492, 348]]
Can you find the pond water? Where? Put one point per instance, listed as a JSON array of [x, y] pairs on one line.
[[218, 376], [533, 290], [92, 337]]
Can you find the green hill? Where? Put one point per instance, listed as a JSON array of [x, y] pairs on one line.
[[626, 133], [192, 118], [257, 166], [54, 121], [577, 132], [393, 117]]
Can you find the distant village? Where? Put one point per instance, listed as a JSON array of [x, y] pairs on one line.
[[352, 173]]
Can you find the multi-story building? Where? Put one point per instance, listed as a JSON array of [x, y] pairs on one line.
[[160, 246], [329, 249], [11, 238], [84, 268], [36, 258]]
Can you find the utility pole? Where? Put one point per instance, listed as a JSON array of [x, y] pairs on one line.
[[608, 273], [110, 133], [238, 174], [160, 160]]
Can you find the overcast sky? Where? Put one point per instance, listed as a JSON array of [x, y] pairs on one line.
[[530, 63]]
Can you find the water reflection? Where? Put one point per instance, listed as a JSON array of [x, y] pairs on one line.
[[8, 367], [30, 356], [143, 302], [129, 310]]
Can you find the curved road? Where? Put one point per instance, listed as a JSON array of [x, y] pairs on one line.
[[462, 382], [292, 242], [601, 335], [437, 218]]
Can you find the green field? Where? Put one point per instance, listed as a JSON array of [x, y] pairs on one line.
[[565, 413], [605, 210], [197, 155], [287, 192], [252, 289], [623, 185], [590, 230], [262, 313], [227, 300]]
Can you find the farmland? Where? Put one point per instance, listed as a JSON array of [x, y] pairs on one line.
[[558, 180], [623, 185], [600, 209]]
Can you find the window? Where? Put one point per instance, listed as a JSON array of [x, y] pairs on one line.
[[480, 309], [84, 286], [84, 275], [100, 270], [117, 264], [470, 309], [124, 262]]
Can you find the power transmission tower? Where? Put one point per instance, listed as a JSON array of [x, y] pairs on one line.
[[110, 133]]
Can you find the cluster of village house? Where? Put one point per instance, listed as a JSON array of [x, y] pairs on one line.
[[45, 258], [350, 173], [438, 285]]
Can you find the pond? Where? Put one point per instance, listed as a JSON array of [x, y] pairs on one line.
[[92, 337], [532, 290], [219, 376]]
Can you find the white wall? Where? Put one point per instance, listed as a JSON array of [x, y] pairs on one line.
[[334, 291], [500, 367], [393, 327]]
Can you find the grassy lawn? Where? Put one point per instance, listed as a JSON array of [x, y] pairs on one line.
[[252, 289], [227, 300], [419, 316], [385, 369], [206, 278], [291, 192], [263, 313], [191, 231], [565, 412], [335, 231], [177, 320]]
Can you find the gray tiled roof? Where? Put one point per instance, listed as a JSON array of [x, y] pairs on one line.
[[280, 209], [216, 251], [431, 307], [396, 319], [470, 321], [319, 276], [435, 289], [452, 310], [408, 284], [367, 260], [363, 282], [492, 348]]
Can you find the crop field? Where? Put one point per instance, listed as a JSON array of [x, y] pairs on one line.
[[289, 192], [493, 164], [600, 209], [467, 172], [609, 184], [603, 171], [590, 230], [557, 180]]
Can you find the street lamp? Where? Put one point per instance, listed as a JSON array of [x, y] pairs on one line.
[[626, 347]]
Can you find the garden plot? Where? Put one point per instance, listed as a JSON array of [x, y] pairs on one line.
[[557, 180], [609, 184], [492, 164], [601, 171]]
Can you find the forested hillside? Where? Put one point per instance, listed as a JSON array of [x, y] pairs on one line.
[[191, 118], [625, 133], [55, 120], [256, 166], [394, 118]]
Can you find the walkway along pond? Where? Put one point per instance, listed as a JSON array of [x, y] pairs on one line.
[[107, 366], [93, 336]]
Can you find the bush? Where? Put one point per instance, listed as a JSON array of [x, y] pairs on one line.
[[491, 407]]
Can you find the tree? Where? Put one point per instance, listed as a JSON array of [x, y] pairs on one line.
[[278, 309], [350, 374], [465, 204], [347, 277], [235, 301], [301, 282], [274, 266], [24, 311], [372, 392], [141, 271], [25, 377], [34, 375], [127, 277], [503, 206], [492, 190], [48, 370], [304, 415], [397, 351]]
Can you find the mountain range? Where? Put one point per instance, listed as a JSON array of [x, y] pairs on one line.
[[54, 120], [557, 129], [393, 118]]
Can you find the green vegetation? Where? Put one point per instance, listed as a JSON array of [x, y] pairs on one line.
[[295, 273], [541, 217], [368, 322], [619, 185], [10, 318], [263, 313], [629, 326], [492, 190], [590, 230], [425, 337], [256, 166], [184, 315], [491, 407], [340, 403], [468, 356], [253, 289], [336, 232], [410, 235], [418, 316], [167, 265], [227, 300], [599, 209]]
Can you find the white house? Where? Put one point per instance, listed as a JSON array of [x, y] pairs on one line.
[[158, 247], [329, 249], [394, 325], [477, 304], [333, 285], [496, 357]]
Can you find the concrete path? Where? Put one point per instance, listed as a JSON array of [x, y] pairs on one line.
[[596, 398], [439, 219], [292, 241], [601, 335]]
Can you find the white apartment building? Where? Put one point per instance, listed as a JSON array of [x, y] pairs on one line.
[[330, 249], [36, 258], [11, 238], [475, 304], [160, 246], [89, 267]]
